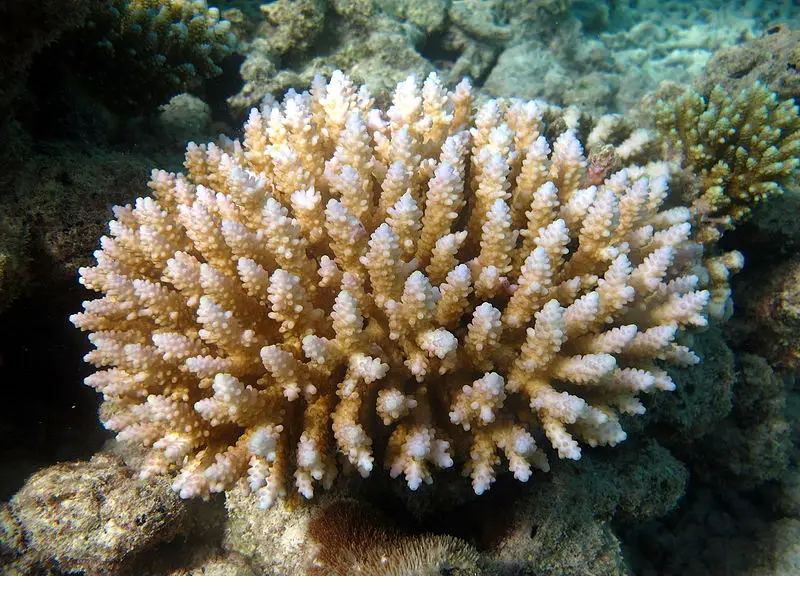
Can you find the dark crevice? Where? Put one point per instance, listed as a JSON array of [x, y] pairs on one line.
[[49, 414]]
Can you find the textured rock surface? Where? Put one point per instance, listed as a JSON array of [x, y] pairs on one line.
[[87, 517]]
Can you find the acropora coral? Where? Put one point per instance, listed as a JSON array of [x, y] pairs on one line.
[[742, 148], [137, 54], [416, 286]]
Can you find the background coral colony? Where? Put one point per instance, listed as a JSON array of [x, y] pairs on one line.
[[399, 287]]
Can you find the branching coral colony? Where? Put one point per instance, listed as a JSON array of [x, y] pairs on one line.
[[415, 284], [742, 148], [137, 54]]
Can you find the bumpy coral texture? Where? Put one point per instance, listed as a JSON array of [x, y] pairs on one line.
[[416, 286], [743, 148], [137, 54]]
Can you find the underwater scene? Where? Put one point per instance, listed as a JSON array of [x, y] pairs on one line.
[[399, 287]]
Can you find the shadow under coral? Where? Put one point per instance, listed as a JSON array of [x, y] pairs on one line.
[[49, 415]]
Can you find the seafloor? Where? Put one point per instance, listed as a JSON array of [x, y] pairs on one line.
[[707, 481]]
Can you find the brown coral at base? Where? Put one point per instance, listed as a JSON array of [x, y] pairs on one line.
[[351, 539]]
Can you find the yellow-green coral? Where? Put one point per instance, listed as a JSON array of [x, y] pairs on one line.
[[136, 54], [742, 149]]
